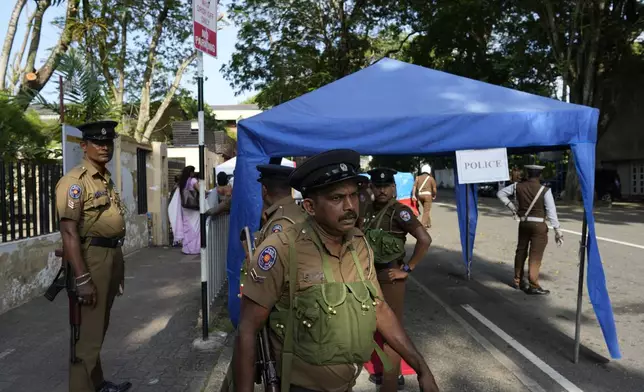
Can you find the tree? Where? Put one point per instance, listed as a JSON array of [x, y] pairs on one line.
[[28, 80], [8, 40], [593, 48], [286, 49], [20, 132]]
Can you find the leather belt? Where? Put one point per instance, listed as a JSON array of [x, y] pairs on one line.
[[532, 219], [105, 242]]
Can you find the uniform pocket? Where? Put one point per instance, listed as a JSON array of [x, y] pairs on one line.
[[98, 258]]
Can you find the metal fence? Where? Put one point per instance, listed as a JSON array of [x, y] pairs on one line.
[[216, 251], [27, 198]]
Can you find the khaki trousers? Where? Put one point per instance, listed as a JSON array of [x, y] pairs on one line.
[[533, 238], [106, 268], [426, 202], [394, 294]]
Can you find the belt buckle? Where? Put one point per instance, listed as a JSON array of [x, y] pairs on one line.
[[120, 242]]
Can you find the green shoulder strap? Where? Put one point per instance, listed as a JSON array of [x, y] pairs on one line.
[[287, 350], [326, 267], [386, 363], [381, 214]]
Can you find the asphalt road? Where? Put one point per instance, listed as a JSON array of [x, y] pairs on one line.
[[482, 335]]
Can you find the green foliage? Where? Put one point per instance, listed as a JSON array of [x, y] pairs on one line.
[[86, 96], [22, 135], [190, 110], [288, 48]]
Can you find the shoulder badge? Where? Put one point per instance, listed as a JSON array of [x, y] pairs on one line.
[[404, 215], [75, 191], [267, 257], [277, 228]]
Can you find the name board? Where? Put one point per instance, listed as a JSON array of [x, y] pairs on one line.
[[204, 26], [477, 166]]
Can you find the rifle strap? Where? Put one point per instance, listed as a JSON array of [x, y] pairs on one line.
[[287, 351]]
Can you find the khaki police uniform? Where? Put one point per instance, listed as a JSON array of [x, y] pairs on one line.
[[425, 191], [535, 205], [318, 267], [533, 231], [89, 198], [279, 217], [274, 287], [398, 220]]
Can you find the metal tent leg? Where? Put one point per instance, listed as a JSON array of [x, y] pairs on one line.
[[580, 286]]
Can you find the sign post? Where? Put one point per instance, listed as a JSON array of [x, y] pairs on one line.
[[474, 167], [204, 24]]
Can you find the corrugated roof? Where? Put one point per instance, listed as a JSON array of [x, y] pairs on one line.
[[235, 107]]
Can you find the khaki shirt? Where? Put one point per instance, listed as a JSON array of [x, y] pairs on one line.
[[279, 217], [430, 184], [82, 194], [272, 263], [398, 220]]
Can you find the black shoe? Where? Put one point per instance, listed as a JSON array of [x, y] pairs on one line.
[[376, 378], [523, 286], [401, 383], [109, 386], [537, 291]]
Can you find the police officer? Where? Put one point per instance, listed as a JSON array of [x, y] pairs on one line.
[[425, 192], [280, 210], [387, 229], [317, 290], [535, 205], [365, 195], [92, 229]]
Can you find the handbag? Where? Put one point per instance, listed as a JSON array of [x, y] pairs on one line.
[[190, 199]]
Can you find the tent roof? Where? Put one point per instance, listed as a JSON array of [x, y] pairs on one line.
[[408, 109]]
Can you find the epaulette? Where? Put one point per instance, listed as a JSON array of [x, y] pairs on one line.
[[77, 171]]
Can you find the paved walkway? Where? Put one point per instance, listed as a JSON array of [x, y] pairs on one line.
[[149, 341]]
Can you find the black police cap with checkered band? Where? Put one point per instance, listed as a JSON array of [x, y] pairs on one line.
[[325, 169], [99, 130], [382, 176]]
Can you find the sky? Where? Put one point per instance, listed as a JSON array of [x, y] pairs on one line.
[[217, 90]]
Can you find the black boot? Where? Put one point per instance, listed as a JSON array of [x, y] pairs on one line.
[[401, 383], [537, 291], [376, 378]]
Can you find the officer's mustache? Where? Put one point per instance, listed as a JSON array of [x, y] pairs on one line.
[[348, 215]]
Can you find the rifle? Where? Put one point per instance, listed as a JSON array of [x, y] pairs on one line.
[[67, 282], [265, 365]]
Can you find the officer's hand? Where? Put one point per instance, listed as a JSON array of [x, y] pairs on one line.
[[87, 294], [427, 383], [121, 287], [414, 198], [559, 238], [396, 274]]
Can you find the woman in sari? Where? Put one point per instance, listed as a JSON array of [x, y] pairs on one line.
[[185, 221]]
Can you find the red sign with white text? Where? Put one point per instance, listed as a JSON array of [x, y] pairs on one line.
[[204, 14]]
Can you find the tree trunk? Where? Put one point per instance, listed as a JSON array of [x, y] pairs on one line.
[[167, 99], [144, 107], [29, 89], [16, 73], [8, 40]]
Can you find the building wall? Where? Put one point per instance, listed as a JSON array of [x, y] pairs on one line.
[[28, 266], [191, 155]]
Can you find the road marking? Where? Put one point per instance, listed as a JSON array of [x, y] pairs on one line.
[[6, 352], [532, 385], [561, 380], [572, 232]]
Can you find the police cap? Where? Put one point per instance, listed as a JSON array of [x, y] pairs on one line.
[[382, 176], [324, 169], [99, 130], [274, 172]]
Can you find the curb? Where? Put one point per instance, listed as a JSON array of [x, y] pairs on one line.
[[218, 374]]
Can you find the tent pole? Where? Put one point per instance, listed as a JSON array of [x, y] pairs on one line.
[[580, 286], [467, 231]]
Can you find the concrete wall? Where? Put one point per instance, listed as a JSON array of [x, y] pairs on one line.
[[27, 267]]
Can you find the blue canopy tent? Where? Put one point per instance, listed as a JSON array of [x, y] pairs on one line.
[[393, 107]]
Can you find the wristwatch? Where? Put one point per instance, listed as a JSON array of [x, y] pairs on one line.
[[406, 268]]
